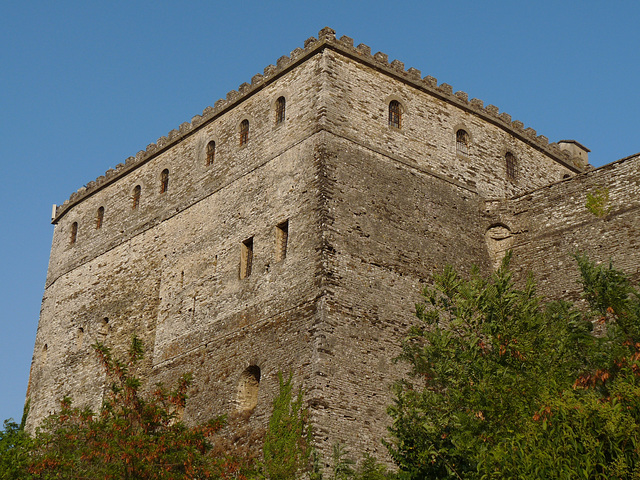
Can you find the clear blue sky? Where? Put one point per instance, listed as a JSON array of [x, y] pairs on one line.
[[85, 84]]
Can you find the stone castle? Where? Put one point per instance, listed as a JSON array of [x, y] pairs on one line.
[[290, 228]]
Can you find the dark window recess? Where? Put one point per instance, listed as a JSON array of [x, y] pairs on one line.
[[244, 132], [282, 238], [395, 114], [211, 152], [462, 142], [164, 181], [248, 388], [136, 197], [79, 337], [100, 217], [103, 329], [74, 233], [246, 258], [280, 110], [512, 166]]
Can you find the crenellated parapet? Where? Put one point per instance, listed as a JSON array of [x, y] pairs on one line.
[[344, 45]]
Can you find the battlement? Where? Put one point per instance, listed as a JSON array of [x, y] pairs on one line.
[[312, 46]]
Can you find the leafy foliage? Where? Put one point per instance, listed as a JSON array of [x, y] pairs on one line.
[[598, 202], [344, 467], [503, 385], [14, 448], [132, 437], [287, 442], [342, 463], [370, 469]]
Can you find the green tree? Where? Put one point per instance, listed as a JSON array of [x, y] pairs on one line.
[[132, 437], [287, 441], [14, 451], [593, 429], [497, 375], [343, 467]]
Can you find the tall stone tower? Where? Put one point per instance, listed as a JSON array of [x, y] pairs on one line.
[[288, 228]]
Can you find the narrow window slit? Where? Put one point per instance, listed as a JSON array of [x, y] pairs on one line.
[[282, 238], [246, 258], [512, 166], [248, 389], [244, 132], [80, 337], [164, 181], [74, 233], [103, 330], [136, 197], [280, 110], [99, 218], [395, 114], [211, 152], [462, 142]]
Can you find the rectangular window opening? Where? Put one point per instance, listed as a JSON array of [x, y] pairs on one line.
[[282, 237], [246, 258]]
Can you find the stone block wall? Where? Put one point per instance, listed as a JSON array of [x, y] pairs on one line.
[[168, 270], [389, 227], [177, 286], [551, 223], [190, 178], [359, 109]]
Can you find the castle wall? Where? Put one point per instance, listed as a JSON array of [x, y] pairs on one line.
[[215, 324], [168, 270], [358, 109], [177, 286], [108, 299], [389, 228], [190, 178], [549, 224]]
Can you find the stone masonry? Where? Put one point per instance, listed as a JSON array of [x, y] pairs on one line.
[[290, 228]]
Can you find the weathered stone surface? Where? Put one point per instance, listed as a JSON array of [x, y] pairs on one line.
[[552, 223], [372, 209]]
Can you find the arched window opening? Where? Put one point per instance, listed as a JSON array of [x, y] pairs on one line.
[[74, 233], [99, 217], [244, 132], [499, 240], [43, 356], [137, 190], [395, 114], [248, 388], [164, 181], [512, 166], [462, 142], [211, 152], [280, 110], [79, 337]]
